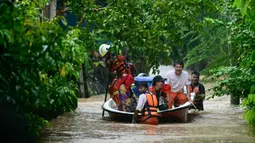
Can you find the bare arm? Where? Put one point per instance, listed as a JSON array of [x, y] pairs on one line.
[[139, 107], [188, 91], [135, 117], [123, 105]]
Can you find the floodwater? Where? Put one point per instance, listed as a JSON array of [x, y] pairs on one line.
[[220, 122]]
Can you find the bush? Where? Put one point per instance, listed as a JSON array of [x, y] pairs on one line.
[[231, 81], [37, 59]]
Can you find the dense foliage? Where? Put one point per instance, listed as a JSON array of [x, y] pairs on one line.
[[150, 31], [229, 52], [37, 57]]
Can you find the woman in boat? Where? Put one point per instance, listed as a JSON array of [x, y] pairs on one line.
[[147, 105], [197, 90]]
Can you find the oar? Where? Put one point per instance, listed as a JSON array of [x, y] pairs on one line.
[[105, 96], [106, 90], [192, 104]]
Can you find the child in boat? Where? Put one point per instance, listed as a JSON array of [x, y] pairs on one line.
[[125, 101]]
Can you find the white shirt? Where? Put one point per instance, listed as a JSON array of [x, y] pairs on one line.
[[141, 102], [177, 82]]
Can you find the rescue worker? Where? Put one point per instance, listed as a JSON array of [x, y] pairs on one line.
[[147, 105], [118, 65], [161, 90], [197, 90], [178, 79]]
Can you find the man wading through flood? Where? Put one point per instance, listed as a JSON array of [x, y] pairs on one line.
[[197, 91]]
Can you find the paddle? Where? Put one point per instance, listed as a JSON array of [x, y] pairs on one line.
[[106, 90], [193, 104]]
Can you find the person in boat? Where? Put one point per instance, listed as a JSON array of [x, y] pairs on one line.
[[118, 66], [178, 79], [161, 91], [147, 106], [197, 90], [125, 103]]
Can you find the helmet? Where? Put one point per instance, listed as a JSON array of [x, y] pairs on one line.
[[103, 49]]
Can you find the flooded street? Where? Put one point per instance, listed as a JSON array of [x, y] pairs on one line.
[[220, 122]]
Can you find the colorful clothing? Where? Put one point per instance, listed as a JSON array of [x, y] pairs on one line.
[[122, 98], [178, 83], [177, 99], [162, 96], [199, 91], [147, 104]]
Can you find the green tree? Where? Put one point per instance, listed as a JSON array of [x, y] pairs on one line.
[[37, 57]]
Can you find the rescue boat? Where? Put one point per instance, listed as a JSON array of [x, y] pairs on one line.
[[176, 114]]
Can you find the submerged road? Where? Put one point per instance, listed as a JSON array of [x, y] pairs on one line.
[[220, 122]]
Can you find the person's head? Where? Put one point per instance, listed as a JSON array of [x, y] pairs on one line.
[[123, 89], [178, 66], [157, 82], [143, 87], [195, 77]]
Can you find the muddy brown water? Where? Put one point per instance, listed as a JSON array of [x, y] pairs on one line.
[[220, 122]]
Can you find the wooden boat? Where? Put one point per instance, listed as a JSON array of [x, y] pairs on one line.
[[178, 114]]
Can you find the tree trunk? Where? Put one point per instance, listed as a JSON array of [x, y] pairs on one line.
[[82, 91], [234, 100], [86, 89]]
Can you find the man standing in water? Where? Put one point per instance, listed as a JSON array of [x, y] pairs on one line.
[[178, 79], [197, 90]]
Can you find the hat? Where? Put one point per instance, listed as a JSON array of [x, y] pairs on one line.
[[156, 79], [143, 84]]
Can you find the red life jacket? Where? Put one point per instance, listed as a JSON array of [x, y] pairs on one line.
[[118, 64], [195, 89], [150, 107]]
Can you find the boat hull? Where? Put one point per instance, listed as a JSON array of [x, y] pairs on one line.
[[179, 114]]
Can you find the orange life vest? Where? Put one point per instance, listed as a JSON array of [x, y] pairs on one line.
[[195, 89], [166, 89], [150, 107]]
